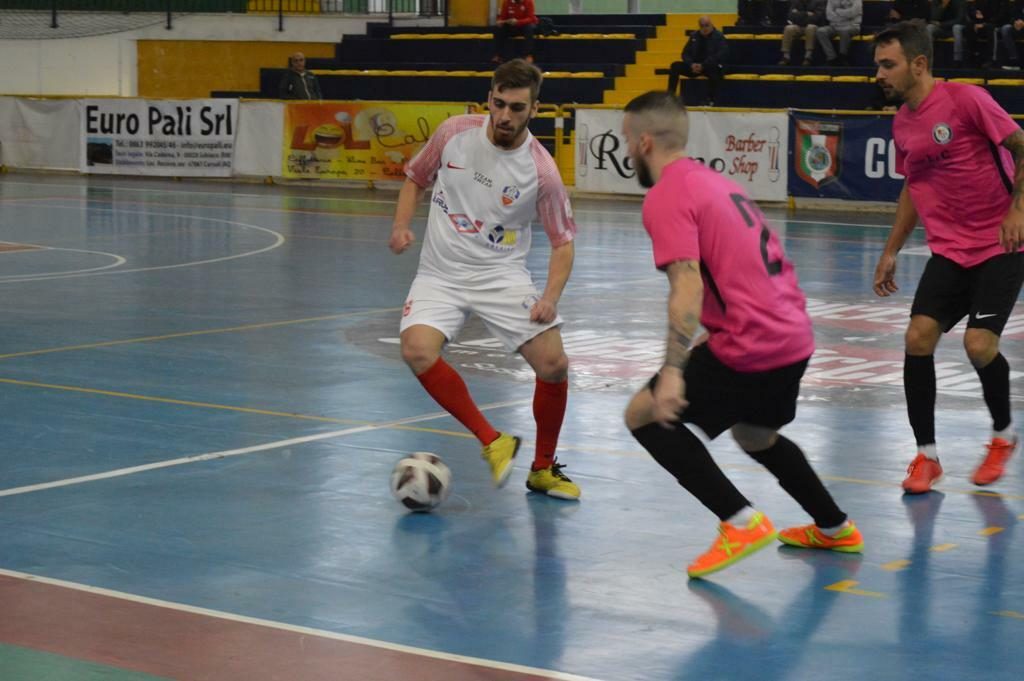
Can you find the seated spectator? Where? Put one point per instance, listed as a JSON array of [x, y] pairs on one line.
[[844, 19], [1011, 32], [984, 17], [704, 55], [297, 82], [906, 10], [804, 18], [949, 18], [517, 17], [754, 12]]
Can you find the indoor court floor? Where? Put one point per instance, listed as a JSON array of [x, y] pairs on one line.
[[202, 398]]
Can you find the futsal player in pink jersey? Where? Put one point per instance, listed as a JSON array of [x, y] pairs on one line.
[[953, 145], [490, 179], [727, 271]]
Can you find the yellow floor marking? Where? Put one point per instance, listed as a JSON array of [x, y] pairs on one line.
[[893, 566], [939, 548], [846, 587], [989, 531], [1009, 613], [186, 334]]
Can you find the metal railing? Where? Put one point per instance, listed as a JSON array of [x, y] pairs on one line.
[[389, 8]]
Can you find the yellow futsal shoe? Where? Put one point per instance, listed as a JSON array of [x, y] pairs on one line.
[[553, 482], [733, 544], [499, 454]]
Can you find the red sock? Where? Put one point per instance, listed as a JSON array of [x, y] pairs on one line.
[[449, 390], [548, 410]]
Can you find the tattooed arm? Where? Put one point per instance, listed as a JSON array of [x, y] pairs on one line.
[[1011, 233], [684, 305]]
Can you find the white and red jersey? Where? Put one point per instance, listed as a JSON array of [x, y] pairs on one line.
[[484, 201]]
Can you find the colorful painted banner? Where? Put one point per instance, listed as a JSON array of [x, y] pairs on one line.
[[357, 140], [193, 137]]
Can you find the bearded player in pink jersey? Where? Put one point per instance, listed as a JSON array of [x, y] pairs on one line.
[[727, 271], [490, 179], [953, 145]]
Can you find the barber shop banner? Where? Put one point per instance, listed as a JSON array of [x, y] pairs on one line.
[[843, 157], [357, 140], [179, 138], [749, 148]]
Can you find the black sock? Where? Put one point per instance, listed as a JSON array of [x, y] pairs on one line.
[[995, 384], [786, 462], [919, 387], [682, 454]]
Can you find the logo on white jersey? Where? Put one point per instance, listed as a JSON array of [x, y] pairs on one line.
[[509, 195], [463, 225], [942, 133]]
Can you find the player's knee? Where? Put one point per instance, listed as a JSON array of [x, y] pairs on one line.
[[920, 341], [638, 411], [981, 346], [753, 438], [553, 369], [419, 357]]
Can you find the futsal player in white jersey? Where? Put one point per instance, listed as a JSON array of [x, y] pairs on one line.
[[491, 178]]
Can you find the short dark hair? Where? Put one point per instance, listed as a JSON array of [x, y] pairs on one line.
[[913, 39], [515, 74], [662, 115]]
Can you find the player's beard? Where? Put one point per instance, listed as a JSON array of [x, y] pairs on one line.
[[643, 173], [506, 137]]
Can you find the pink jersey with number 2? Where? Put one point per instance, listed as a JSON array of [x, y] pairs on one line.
[[754, 310]]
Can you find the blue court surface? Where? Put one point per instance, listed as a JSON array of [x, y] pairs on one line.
[[202, 399]]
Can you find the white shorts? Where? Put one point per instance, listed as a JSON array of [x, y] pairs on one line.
[[505, 310]]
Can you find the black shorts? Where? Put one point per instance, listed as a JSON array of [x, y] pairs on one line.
[[721, 397], [986, 292]]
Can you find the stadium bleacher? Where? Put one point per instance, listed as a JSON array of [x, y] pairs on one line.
[[609, 59]]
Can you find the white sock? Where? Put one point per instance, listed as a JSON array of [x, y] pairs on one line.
[[1007, 433], [833, 531], [929, 450], [742, 517]]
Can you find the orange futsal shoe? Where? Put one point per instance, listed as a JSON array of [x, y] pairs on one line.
[[847, 540], [992, 468], [733, 544], [922, 473]]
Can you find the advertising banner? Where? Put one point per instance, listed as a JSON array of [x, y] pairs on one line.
[[749, 148], [843, 157], [193, 137], [357, 140]]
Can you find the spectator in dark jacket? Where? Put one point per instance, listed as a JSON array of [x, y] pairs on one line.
[[516, 17], [1012, 31], [949, 18], [704, 55], [803, 19], [984, 17], [297, 82], [905, 10]]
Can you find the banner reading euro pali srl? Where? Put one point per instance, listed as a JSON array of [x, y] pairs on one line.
[[357, 140], [749, 148], [189, 137]]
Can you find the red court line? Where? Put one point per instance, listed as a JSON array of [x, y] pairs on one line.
[[163, 640]]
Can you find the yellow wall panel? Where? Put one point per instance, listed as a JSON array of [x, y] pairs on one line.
[[194, 68], [468, 13]]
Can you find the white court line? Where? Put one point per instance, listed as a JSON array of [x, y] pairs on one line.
[[278, 240], [223, 454], [291, 628]]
